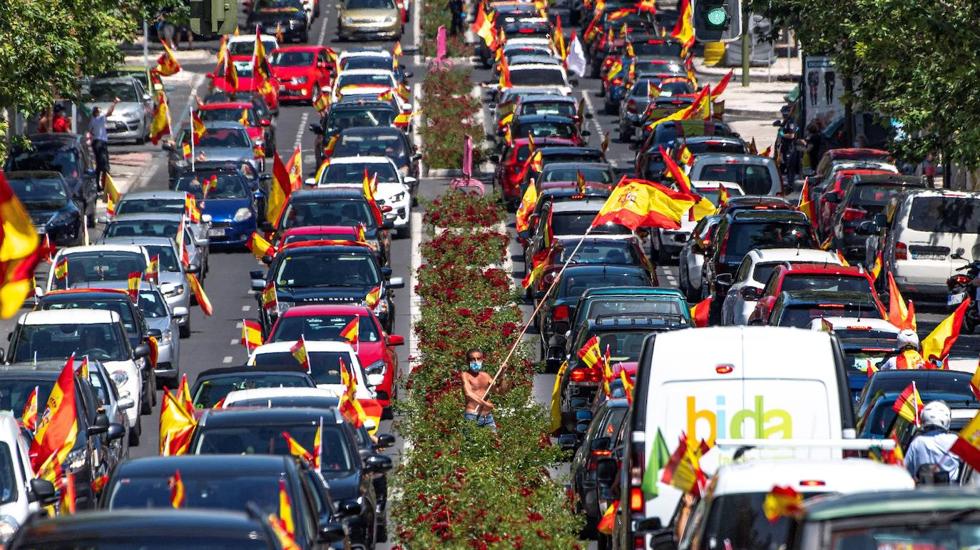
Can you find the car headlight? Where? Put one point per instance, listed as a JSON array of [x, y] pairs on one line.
[[175, 290], [60, 219], [300, 80], [381, 308], [76, 459], [388, 20], [347, 20], [8, 526], [399, 197], [282, 307], [377, 367], [168, 335], [293, 23], [242, 214], [120, 377]]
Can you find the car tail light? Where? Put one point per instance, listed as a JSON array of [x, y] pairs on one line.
[[636, 499], [617, 81], [960, 280], [812, 483], [560, 313], [599, 453], [585, 374], [639, 542], [631, 106], [854, 214], [901, 251]]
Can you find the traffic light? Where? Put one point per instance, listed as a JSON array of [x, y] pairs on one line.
[[716, 20]]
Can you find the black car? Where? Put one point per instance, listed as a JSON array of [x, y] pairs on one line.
[[380, 141], [146, 529], [797, 308], [343, 114], [66, 154], [932, 380], [107, 299], [349, 477], [587, 497], [85, 460], [864, 197], [286, 18], [212, 385], [317, 273], [50, 203], [667, 132]]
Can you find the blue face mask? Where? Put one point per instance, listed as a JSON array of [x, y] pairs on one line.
[[475, 366]]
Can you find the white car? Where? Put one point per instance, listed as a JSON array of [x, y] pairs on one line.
[[753, 274], [57, 333], [21, 491], [90, 265], [245, 45], [325, 357], [734, 497], [272, 398], [666, 243], [394, 193], [351, 79], [539, 76]]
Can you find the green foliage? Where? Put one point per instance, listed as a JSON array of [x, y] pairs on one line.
[[437, 13], [462, 486], [916, 63], [448, 116]]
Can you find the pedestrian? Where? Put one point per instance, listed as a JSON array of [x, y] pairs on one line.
[[930, 448], [165, 30], [929, 169], [455, 8], [100, 140], [814, 143], [476, 382], [60, 123], [909, 354]]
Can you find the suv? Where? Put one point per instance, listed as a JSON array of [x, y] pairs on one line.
[[24, 494], [99, 334], [756, 175], [67, 154], [49, 202], [863, 198]]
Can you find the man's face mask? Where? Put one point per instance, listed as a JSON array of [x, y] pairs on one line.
[[476, 365]]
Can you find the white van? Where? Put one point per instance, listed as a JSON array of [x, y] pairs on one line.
[[928, 228], [728, 383]]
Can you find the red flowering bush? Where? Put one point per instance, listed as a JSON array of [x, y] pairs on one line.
[[448, 116], [462, 486]]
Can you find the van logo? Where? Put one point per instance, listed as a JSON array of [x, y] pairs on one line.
[[754, 423]]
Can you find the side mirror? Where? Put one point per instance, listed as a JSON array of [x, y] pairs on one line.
[[349, 508], [409, 180], [866, 227], [396, 340], [567, 442], [258, 285], [384, 441], [573, 82], [116, 431], [377, 463], [154, 332], [192, 268], [409, 74], [880, 220], [42, 492], [386, 271], [310, 182], [606, 470], [180, 311], [332, 532], [147, 97], [396, 282], [265, 122], [167, 146], [266, 259], [100, 426], [315, 128], [141, 350], [723, 280], [777, 123], [125, 403], [375, 379], [206, 218], [586, 133], [589, 116]]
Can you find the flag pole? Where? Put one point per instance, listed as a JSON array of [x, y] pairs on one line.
[[190, 107], [517, 342]]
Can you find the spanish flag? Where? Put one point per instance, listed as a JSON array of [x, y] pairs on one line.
[[782, 502], [176, 425], [329, 147], [685, 156], [683, 470], [133, 285], [190, 205], [608, 519], [722, 196], [898, 311], [539, 262], [368, 186], [279, 189], [202, 298], [350, 331], [349, 407], [251, 334], [29, 415], [231, 75], [684, 28], [402, 120], [258, 245], [528, 202], [298, 350], [721, 86], [111, 193], [579, 182], [58, 427], [286, 541], [167, 64], [318, 444], [805, 205], [154, 346], [556, 398], [321, 102], [197, 126], [160, 125], [61, 269], [876, 268], [636, 203], [703, 207], [700, 312], [20, 250], [178, 494], [296, 449], [269, 298], [937, 345], [975, 382], [153, 269], [68, 495], [967, 445], [627, 385], [286, 508], [373, 297], [504, 81], [294, 166], [590, 354], [361, 233], [909, 404]]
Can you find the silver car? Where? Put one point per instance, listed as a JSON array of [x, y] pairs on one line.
[[160, 225], [130, 120], [161, 317], [172, 274], [160, 202], [223, 142], [115, 408]]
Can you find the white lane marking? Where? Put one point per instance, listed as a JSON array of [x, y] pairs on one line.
[[246, 308], [299, 131], [414, 300], [227, 359], [595, 122], [238, 325], [235, 341], [416, 137], [323, 28]]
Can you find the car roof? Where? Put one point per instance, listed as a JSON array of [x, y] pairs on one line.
[[148, 216], [749, 216], [159, 194], [798, 297], [587, 205], [525, 119], [555, 151], [377, 159], [532, 98], [869, 323], [272, 393], [324, 309], [220, 124], [592, 268], [95, 248], [319, 230], [812, 255], [565, 165], [925, 501], [631, 291], [140, 241], [636, 321], [824, 268], [72, 294], [371, 130], [245, 37], [218, 418], [157, 521], [887, 179], [244, 464], [708, 185], [311, 345], [834, 476], [214, 106], [25, 174], [330, 192], [369, 72], [66, 316], [56, 138], [704, 158], [246, 369], [537, 67], [299, 48]]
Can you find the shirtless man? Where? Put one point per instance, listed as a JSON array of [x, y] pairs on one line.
[[475, 385]]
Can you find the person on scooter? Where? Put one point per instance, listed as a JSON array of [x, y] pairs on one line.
[[909, 354], [930, 448]]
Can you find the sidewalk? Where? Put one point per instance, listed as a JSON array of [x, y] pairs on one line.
[[779, 70]]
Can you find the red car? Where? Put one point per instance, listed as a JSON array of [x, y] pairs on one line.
[[851, 154], [825, 208], [243, 64], [317, 233], [259, 130], [812, 277], [375, 349], [509, 177], [302, 71]]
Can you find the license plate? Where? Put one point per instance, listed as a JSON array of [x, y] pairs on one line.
[[216, 232], [955, 299], [922, 256]]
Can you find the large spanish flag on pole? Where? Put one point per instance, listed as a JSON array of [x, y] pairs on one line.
[[279, 190], [684, 28], [937, 345], [20, 251], [56, 432], [638, 203]]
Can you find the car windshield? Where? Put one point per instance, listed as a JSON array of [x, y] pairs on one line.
[[737, 521], [229, 114], [377, 144], [251, 539], [654, 306], [370, 5], [225, 186], [292, 59], [538, 76], [945, 215], [745, 236], [119, 305], [15, 391], [166, 255], [221, 138], [656, 47], [286, 401], [618, 252], [376, 79], [326, 236], [325, 327], [153, 305], [100, 385], [104, 342], [836, 283], [675, 88], [150, 206], [328, 212], [93, 267], [577, 223], [754, 179], [763, 270], [716, 146], [874, 195], [934, 531], [215, 492], [801, 316], [366, 62], [324, 365], [557, 108], [40, 193], [574, 285], [354, 173], [546, 130], [623, 345], [142, 228], [340, 119], [570, 173], [105, 91], [247, 47], [268, 439], [327, 269], [63, 161], [214, 389], [857, 360]]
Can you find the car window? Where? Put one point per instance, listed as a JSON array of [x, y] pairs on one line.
[[945, 215], [603, 252], [214, 389], [63, 161], [324, 365], [332, 212], [801, 316], [623, 345], [229, 492], [220, 137], [224, 186], [325, 327], [121, 307], [737, 521], [292, 59], [153, 305], [574, 285], [764, 270], [107, 90], [268, 439], [577, 223], [538, 76], [8, 477], [654, 305], [142, 228], [104, 342], [370, 5], [339, 119], [40, 193], [376, 144], [743, 269], [237, 114], [558, 108], [589, 173], [744, 236], [376, 79], [837, 283], [753, 178], [327, 269], [547, 130], [166, 256], [354, 173], [150, 206], [14, 393], [86, 267]]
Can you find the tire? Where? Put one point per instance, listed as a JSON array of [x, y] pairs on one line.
[[625, 136], [90, 216], [146, 401], [610, 108], [134, 433], [604, 542], [185, 329]]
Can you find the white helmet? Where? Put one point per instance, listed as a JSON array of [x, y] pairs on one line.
[[908, 338], [935, 413]]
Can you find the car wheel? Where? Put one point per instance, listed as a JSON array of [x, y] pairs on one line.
[[381, 533], [134, 433], [90, 215], [185, 329], [625, 136], [146, 406]]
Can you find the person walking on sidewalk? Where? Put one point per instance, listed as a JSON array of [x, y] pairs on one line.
[[476, 382], [100, 140]]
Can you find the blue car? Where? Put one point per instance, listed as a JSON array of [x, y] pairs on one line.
[[233, 204]]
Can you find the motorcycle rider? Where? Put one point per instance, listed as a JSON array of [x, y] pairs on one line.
[[909, 354], [931, 446]]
